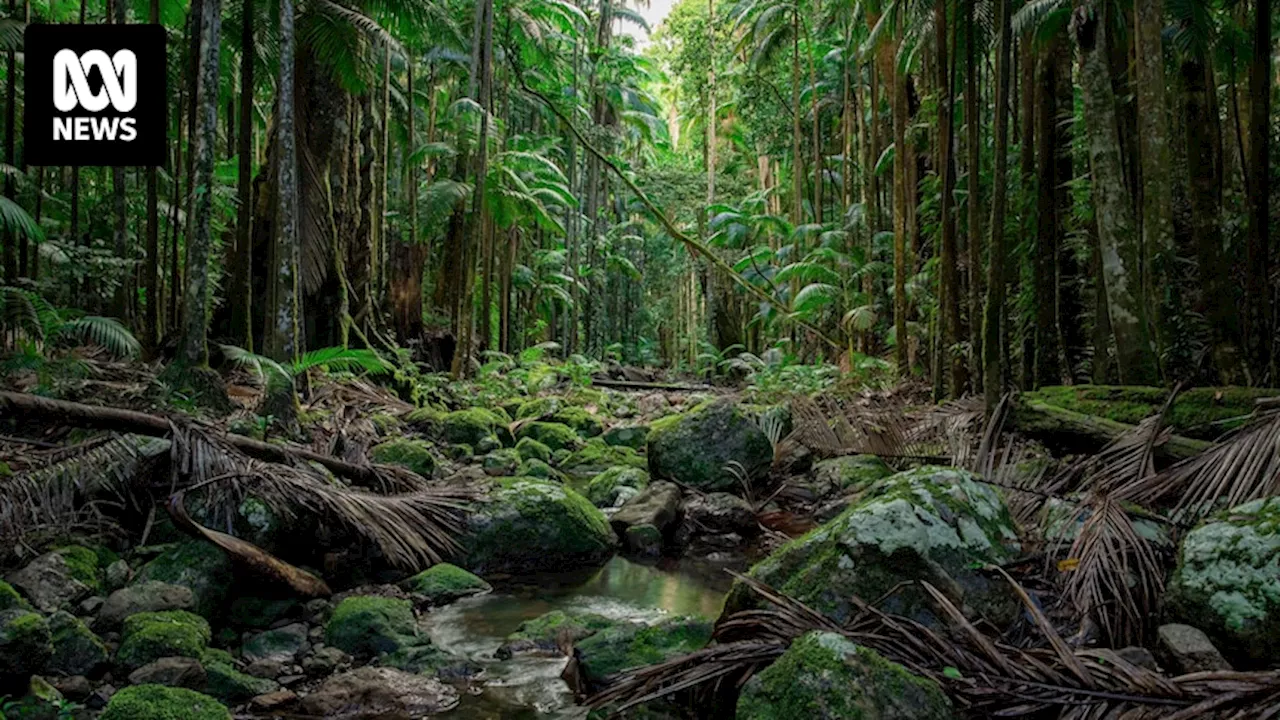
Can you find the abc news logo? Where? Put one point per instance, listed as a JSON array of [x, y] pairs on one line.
[[95, 95]]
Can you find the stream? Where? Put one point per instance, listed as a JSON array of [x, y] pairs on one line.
[[530, 687]]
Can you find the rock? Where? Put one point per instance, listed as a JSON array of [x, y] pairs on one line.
[[694, 447], [531, 525], [151, 596], [264, 669], [273, 701], [1139, 657], [199, 566], [56, 580], [443, 583], [25, 644], [415, 455], [367, 625], [157, 702], [76, 688], [632, 436], [154, 635], [76, 650], [719, 513], [530, 449], [596, 457], [323, 661], [503, 462], [795, 459], [227, 683], [934, 524], [253, 611], [1185, 649], [10, 599], [551, 634], [848, 474], [535, 468], [825, 676], [583, 422], [317, 611], [603, 490], [643, 540], [658, 505], [182, 672], [627, 645], [653, 403], [471, 426], [117, 575], [285, 644], [552, 435], [91, 605], [372, 693]]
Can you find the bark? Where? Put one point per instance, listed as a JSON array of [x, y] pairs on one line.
[[1258, 328], [241, 288], [151, 272], [1073, 432], [1047, 367], [994, 374], [950, 280], [281, 340], [122, 304], [10, 118], [360, 253], [973, 126], [1117, 232], [409, 256]]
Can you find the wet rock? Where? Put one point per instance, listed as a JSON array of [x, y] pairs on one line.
[[1226, 584], [181, 672], [415, 455], [91, 605], [372, 693], [604, 489], [657, 505], [76, 650], [56, 580], [552, 634], [1185, 649], [76, 688], [824, 676], [694, 447], [264, 669], [366, 626], [25, 644], [274, 701], [227, 683], [117, 575], [718, 513], [150, 636], [285, 644], [643, 541], [632, 436], [443, 583], [156, 702], [151, 596], [324, 661], [531, 525], [199, 566], [933, 524], [627, 645]]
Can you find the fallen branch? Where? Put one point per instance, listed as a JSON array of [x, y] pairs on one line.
[[1069, 430], [637, 385]]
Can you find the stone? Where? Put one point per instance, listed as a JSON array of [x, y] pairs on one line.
[[503, 462], [643, 540], [11, 600], [551, 434], [150, 636], [157, 702], [76, 688], [284, 644], [150, 596], [50, 583], [264, 669], [258, 612], [632, 436], [825, 676], [25, 644], [368, 625], [229, 684], [414, 455], [847, 474], [76, 650], [657, 505], [720, 513], [531, 525], [1185, 649], [117, 575], [199, 566], [372, 693], [934, 524], [1226, 582], [694, 447], [182, 672], [471, 426], [596, 457], [529, 449], [91, 605], [626, 645], [551, 634], [604, 489], [273, 701], [1139, 657], [323, 661], [444, 583]]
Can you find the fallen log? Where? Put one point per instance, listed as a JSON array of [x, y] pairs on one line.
[[638, 385], [1073, 432], [22, 405]]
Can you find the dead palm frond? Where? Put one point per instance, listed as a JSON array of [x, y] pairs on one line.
[[982, 675]]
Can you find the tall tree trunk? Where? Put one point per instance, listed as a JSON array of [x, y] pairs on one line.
[[1117, 231], [1258, 326], [241, 290], [950, 280], [408, 256], [281, 335], [122, 303], [1046, 367], [10, 118], [995, 376], [384, 172], [973, 126], [151, 273]]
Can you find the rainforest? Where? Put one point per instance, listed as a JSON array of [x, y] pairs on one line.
[[653, 359]]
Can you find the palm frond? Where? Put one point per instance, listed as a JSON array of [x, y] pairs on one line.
[[108, 333], [340, 358]]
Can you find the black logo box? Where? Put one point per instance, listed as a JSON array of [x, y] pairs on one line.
[[150, 114]]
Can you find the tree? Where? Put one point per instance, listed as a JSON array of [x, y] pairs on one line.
[[995, 372]]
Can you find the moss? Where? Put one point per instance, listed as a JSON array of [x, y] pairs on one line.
[[553, 435], [199, 566], [530, 449], [25, 643], [632, 436], [584, 423], [538, 408], [694, 447], [5, 470], [150, 636], [532, 525], [10, 599], [228, 684], [412, 454], [851, 473], [76, 650], [368, 625], [597, 456], [157, 702], [385, 423], [461, 452], [602, 491], [443, 583], [503, 461], [628, 645], [471, 426], [557, 622], [83, 565], [536, 468], [1198, 412], [824, 676], [426, 419]]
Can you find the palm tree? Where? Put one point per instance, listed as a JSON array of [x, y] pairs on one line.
[[993, 344], [1258, 327]]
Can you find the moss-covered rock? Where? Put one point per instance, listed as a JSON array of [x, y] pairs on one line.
[[285, 644], [412, 454], [147, 596], [551, 434], [25, 644], [157, 702], [367, 625], [58, 579], [227, 683], [530, 525], [1203, 413], [153, 635], [933, 524], [851, 473], [824, 676], [10, 599], [503, 462], [596, 456], [584, 423], [536, 468], [443, 583], [199, 566], [471, 426], [628, 645], [1227, 582], [602, 491], [545, 635], [632, 436], [76, 650], [538, 408], [530, 449], [694, 447]]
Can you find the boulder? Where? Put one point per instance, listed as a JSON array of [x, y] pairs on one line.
[[603, 489], [58, 579], [531, 525], [1226, 582], [150, 636], [284, 644], [149, 596], [825, 676], [1185, 649], [372, 693], [644, 540], [199, 566], [117, 575], [25, 644], [443, 583], [695, 447], [227, 683], [934, 524], [627, 645], [530, 449], [536, 468], [157, 702], [648, 517], [596, 457], [471, 426], [848, 474], [552, 435], [181, 672], [632, 436], [412, 454], [369, 625], [10, 599], [551, 634], [503, 462], [719, 513], [76, 650]]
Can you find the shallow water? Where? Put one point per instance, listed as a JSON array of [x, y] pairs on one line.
[[523, 688]]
